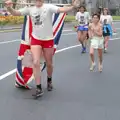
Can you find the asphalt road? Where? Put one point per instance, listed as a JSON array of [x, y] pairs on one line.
[[78, 93]]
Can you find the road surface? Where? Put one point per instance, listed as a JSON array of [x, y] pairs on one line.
[[78, 93]]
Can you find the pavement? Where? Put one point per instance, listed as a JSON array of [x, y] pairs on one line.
[[14, 28], [78, 93]]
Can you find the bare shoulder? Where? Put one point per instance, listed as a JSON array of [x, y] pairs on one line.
[[90, 24], [100, 25]]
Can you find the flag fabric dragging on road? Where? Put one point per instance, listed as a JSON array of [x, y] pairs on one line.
[[24, 73]]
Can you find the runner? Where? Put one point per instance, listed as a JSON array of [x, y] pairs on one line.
[[96, 41], [106, 20], [42, 36], [83, 18]]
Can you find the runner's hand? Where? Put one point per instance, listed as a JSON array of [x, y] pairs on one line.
[[8, 3], [76, 3]]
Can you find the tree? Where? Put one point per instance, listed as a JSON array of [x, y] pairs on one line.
[[14, 4]]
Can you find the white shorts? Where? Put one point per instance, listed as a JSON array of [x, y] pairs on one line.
[[97, 42]]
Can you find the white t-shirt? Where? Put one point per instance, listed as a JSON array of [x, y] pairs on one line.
[[106, 19], [82, 18], [41, 20]]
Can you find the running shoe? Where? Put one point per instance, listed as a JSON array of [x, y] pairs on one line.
[[39, 93], [100, 67], [92, 66], [49, 86]]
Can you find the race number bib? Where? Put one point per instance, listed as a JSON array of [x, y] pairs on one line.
[[105, 21], [38, 20], [82, 20]]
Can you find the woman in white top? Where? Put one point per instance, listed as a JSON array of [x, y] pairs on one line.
[[83, 18], [106, 20]]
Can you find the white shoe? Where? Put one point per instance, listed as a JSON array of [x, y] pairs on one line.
[[105, 50], [92, 66], [100, 67]]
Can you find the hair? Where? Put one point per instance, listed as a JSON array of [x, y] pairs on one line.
[[107, 11], [96, 14], [82, 6]]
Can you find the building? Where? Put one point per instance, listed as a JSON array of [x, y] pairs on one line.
[[92, 5]]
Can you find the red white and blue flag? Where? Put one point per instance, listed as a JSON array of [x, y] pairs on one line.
[[24, 75]]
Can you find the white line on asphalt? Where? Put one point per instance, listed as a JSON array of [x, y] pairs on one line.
[[67, 30], [72, 33], [58, 51], [14, 70], [7, 74], [10, 41], [17, 40], [117, 28]]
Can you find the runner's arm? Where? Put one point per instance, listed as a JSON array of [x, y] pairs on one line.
[[101, 19], [13, 11], [90, 34], [76, 16], [100, 32], [75, 4], [20, 12], [65, 9], [23, 11], [112, 24], [89, 18]]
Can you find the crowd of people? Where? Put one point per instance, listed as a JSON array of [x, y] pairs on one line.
[[98, 29]]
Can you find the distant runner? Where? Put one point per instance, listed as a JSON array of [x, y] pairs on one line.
[[96, 41], [107, 22], [83, 18]]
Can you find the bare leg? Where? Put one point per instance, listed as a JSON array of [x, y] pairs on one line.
[[84, 38], [36, 53], [92, 59], [48, 54], [80, 37], [100, 59], [106, 39]]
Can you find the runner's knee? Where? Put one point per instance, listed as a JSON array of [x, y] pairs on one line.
[[49, 65], [91, 51], [36, 63]]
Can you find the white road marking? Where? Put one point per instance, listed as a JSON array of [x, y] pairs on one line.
[[58, 51], [14, 70], [10, 41], [7, 74], [67, 30], [17, 40]]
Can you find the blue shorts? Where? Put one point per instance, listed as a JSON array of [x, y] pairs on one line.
[[83, 28], [107, 30]]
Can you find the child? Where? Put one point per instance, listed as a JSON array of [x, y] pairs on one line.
[[96, 41]]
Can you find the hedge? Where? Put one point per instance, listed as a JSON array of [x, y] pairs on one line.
[[13, 20], [72, 18]]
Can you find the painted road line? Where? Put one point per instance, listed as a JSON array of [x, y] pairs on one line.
[[10, 41], [17, 30], [72, 33], [58, 51], [14, 70]]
